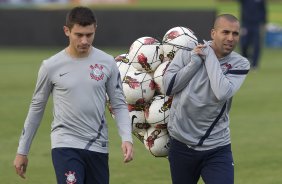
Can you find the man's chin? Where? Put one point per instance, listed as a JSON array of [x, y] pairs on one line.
[[83, 50], [228, 51]]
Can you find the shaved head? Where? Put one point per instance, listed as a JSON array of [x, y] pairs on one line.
[[229, 17]]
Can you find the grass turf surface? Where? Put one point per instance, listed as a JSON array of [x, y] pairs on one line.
[[255, 126]]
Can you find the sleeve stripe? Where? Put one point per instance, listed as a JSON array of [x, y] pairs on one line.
[[238, 72], [168, 92]]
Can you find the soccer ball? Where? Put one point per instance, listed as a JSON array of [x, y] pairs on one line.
[[124, 65], [146, 54], [137, 115], [158, 76], [139, 87], [138, 122], [158, 112], [157, 141], [122, 57], [178, 38]]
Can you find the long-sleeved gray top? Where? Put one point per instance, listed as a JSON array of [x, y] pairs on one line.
[[79, 87], [200, 89]]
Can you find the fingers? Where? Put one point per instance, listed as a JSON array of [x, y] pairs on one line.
[[20, 164], [128, 156], [20, 170], [199, 49], [127, 149]]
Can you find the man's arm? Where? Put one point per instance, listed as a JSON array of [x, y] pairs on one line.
[[223, 85], [180, 71], [39, 100], [120, 110]]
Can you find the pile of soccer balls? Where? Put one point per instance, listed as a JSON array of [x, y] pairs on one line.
[[142, 70]]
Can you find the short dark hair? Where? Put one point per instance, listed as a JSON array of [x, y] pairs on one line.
[[82, 16], [228, 17]]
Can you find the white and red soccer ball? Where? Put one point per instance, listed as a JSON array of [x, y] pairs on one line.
[[158, 76], [157, 141], [158, 112], [178, 38], [123, 65], [138, 87], [137, 113], [146, 54]]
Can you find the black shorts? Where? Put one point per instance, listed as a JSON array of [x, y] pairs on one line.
[[78, 166]]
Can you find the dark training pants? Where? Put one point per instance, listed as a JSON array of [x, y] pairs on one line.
[[78, 166], [187, 165], [251, 43]]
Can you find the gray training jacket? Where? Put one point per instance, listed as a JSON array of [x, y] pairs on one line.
[[79, 87], [200, 89]]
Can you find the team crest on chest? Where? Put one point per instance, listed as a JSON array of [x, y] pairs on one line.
[[70, 177], [96, 72]]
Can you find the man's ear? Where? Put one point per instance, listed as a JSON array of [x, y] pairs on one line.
[[212, 33], [66, 30]]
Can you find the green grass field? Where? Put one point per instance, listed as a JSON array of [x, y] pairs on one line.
[[255, 122]]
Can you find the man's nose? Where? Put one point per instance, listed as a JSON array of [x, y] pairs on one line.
[[84, 39], [230, 37]]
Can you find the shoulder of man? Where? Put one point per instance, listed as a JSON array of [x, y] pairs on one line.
[[239, 62]]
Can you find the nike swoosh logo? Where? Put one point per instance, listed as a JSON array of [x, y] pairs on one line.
[[132, 119], [62, 74]]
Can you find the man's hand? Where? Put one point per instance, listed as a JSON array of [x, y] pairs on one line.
[[20, 164], [199, 51], [127, 149]]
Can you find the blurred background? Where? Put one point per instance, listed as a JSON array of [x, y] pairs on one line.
[[41, 21], [32, 30], [120, 21]]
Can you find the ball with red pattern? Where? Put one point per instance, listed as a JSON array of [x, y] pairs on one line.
[[178, 38], [123, 65], [138, 87], [137, 115], [158, 76], [146, 54], [158, 111], [157, 142]]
